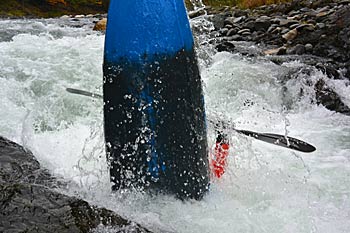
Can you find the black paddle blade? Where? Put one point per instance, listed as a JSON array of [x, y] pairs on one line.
[[281, 140]]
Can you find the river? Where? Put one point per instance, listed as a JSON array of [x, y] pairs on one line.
[[266, 188]]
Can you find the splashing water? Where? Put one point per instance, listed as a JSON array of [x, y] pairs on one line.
[[197, 4], [266, 188]]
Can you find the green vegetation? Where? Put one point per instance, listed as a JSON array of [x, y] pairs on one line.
[[54, 8], [49, 8]]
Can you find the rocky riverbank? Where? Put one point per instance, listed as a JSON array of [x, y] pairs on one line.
[[316, 33], [29, 202]]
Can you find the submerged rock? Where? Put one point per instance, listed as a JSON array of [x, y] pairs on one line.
[[29, 203]]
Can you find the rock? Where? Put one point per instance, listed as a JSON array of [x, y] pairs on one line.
[[247, 33], [278, 30], [246, 30], [79, 16], [320, 25], [309, 47], [229, 21], [276, 51], [101, 25], [307, 27], [262, 24], [250, 25], [232, 32], [284, 30], [30, 204], [65, 17], [290, 35], [322, 14], [223, 31], [287, 23], [299, 49], [294, 26], [329, 69], [194, 14], [239, 13], [239, 19], [235, 38], [329, 98], [225, 46]]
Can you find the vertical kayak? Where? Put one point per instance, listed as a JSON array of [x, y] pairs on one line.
[[154, 116]]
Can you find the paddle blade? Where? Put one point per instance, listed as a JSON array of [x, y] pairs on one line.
[[281, 140]]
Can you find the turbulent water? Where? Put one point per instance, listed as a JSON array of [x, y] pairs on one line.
[[266, 188]]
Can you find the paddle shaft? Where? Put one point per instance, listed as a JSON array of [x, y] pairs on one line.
[[276, 139]]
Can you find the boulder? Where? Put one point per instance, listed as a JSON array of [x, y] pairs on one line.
[[29, 202], [328, 98]]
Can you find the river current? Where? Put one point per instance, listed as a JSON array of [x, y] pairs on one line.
[[266, 188]]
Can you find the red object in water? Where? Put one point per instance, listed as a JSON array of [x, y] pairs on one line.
[[219, 159]]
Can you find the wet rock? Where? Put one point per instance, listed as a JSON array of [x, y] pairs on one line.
[[229, 21], [65, 17], [320, 25], [322, 14], [223, 31], [101, 25], [250, 25], [197, 13], [329, 98], [262, 24], [28, 202], [246, 30], [239, 19], [276, 51], [299, 49], [79, 16], [287, 22], [329, 69], [306, 27], [309, 47], [232, 32], [225, 46], [235, 38], [290, 35]]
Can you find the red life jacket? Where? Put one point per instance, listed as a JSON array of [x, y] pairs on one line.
[[218, 162]]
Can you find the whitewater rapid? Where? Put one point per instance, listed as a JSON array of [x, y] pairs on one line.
[[266, 188]]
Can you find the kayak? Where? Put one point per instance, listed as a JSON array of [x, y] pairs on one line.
[[154, 118]]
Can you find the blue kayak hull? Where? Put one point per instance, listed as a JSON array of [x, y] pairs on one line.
[[154, 116]]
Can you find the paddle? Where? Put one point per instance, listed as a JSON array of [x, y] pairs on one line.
[[85, 93], [276, 139], [280, 140]]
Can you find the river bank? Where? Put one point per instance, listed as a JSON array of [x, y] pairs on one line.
[[46, 9], [316, 33]]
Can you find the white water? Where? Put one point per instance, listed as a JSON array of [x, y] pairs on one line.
[[266, 188]]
